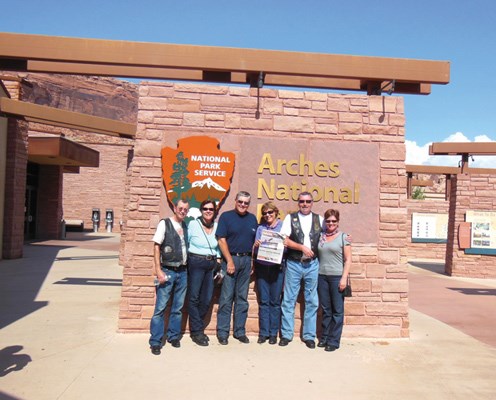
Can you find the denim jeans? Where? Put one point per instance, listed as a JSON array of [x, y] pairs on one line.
[[269, 287], [200, 291], [174, 287], [234, 290], [296, 272], [332, 303]]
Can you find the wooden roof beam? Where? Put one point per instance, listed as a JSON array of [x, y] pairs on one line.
[[19, 48], [67, 119], [422, 183], [213, 76], [451, 148], [441, 170]]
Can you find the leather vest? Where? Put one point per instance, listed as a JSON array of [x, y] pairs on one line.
[[171, 251], [298, 236]]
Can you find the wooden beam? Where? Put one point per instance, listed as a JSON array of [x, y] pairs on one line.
[[431, 169], [451, 148], [440, 170], [67, 119], [124, 71], [112, 52], [422, 183]]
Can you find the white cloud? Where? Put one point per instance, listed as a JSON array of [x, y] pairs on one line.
[[419, 155]]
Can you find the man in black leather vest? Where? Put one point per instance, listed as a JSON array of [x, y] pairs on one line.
[[303, 230], [170, 257]]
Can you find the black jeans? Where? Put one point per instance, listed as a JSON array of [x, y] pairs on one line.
[[332, 303], [200, 291]]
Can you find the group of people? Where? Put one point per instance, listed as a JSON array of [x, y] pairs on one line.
[[317, 254]]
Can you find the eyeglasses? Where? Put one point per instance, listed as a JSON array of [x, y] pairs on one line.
[[270, 212], [244, 203], [305, 201], [207, 209], [331, 221], [181, 209]]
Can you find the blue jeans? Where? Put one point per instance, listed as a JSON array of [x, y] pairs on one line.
[[269, 286], [200, 291], [297, 271], [234, 290], [332, 303], [174, 287]]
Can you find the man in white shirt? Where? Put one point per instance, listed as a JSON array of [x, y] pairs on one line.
[[170, 258], [303, 230]]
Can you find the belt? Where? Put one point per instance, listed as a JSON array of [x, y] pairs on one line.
[[241, 254], [178, 268], [302, 259], [208, 257]]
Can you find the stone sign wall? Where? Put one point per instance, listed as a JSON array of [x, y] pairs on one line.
[[348, 149]]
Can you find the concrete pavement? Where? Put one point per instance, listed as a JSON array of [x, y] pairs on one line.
[[58, 314]]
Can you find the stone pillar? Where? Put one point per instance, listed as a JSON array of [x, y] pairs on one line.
[[48, 223], [15, 188], [469, 193]]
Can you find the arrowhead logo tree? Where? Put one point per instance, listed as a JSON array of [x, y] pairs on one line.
[[197, 170]]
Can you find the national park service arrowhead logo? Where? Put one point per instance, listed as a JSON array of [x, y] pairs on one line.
[[197, 170]]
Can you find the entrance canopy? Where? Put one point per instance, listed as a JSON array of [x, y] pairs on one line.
[[52, 54], [56, 150]]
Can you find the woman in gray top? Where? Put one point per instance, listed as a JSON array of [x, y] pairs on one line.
[[335, 261]]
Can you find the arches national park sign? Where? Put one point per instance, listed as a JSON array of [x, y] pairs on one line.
[[339, 175]]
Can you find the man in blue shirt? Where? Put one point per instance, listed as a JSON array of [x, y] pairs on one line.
[[236, 235]]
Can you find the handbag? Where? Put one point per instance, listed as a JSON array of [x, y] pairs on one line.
[[217, 270], [347, 292]]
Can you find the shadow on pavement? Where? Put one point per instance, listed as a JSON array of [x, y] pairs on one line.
[[437, 268], [10, 361], [90, 281], [475, 291], [21, 280]]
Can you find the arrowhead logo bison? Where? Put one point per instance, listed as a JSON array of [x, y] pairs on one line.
[[197, 170]]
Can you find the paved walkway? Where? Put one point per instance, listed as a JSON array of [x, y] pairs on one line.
[[58, 340]]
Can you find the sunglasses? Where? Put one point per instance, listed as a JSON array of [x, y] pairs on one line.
[[244, 203], [207, 209], [270, 212], [305, 201], [331, 221]]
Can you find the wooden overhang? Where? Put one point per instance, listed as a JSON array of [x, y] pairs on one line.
[[440, 170], [67, 119], [465, 150], [451, 148], [54, 54], [57, 150]]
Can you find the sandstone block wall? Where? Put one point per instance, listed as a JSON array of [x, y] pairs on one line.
[[102, 187], [15, 180], [474, 193], [48, 224], [379, 307]]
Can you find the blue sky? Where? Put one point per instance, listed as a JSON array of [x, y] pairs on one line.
[[462, 32]]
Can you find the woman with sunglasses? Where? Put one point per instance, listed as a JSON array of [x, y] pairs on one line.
[[203, 253], [269, 278], [334, 266]]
